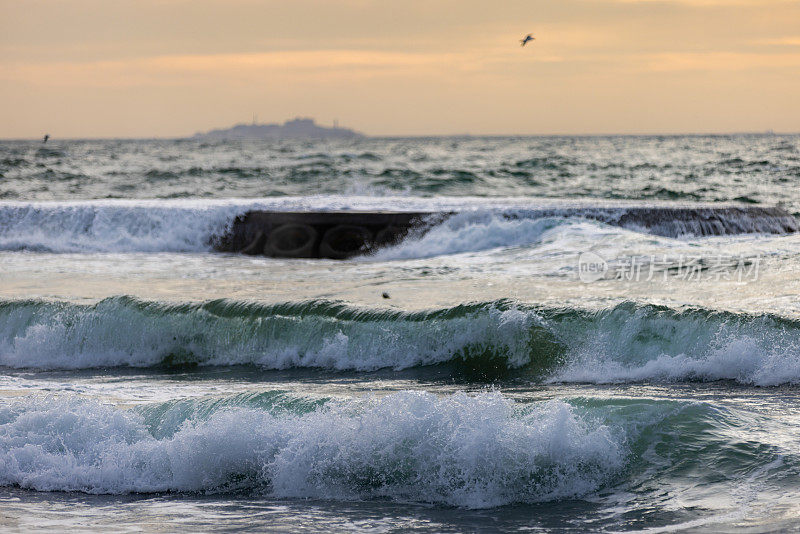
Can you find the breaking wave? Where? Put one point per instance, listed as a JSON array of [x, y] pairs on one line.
[[193, 226], [473, 232], [468, 450], [471, 451], [629, 342], [113, 226], [636, 343], [123, 331]]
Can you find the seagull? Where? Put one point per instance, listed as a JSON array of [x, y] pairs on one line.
[[528, 37]]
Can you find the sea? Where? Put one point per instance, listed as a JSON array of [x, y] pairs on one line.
[[506, 370]]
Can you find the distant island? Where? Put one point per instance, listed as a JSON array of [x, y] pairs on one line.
[[299, 128]]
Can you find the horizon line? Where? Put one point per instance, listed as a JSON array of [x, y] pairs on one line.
[[421, 136]]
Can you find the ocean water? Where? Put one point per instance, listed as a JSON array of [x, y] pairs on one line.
[[150, 383]]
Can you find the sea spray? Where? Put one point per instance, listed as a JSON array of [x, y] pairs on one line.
[[480, 224], [473, 451]]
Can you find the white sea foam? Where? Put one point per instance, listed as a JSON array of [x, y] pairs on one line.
[[113, 226], [189, 225], [471, 232], [743, 359], [650, 344], [470, 451], [186, 225]]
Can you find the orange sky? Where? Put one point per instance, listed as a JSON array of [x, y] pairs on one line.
[[139, 68]]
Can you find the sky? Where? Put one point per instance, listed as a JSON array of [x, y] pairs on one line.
[[170, 68]]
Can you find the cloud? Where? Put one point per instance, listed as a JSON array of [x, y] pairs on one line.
[[716, 61], [319, 66], [176, 69]]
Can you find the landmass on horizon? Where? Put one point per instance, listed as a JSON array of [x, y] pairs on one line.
[[298, 128]]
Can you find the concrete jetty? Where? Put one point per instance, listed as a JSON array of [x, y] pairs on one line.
[[343, 234]]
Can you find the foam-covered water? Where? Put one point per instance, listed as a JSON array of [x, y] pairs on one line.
[[469, 378], [192, 225], [473, 452]]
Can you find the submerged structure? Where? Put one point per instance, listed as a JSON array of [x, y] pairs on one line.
[[341, 235], [334, 235]]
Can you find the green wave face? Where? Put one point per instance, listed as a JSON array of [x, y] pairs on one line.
[[628, 342], [128, 332]]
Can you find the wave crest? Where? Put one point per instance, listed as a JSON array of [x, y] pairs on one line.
[[123, 331], [630, 342], [470, 451]]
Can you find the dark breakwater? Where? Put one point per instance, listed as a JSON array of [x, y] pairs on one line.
[[340, 235]]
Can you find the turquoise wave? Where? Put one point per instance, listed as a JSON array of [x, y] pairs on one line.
[[629, 342]]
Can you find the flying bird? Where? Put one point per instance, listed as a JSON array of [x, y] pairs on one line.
[[528, 37]]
